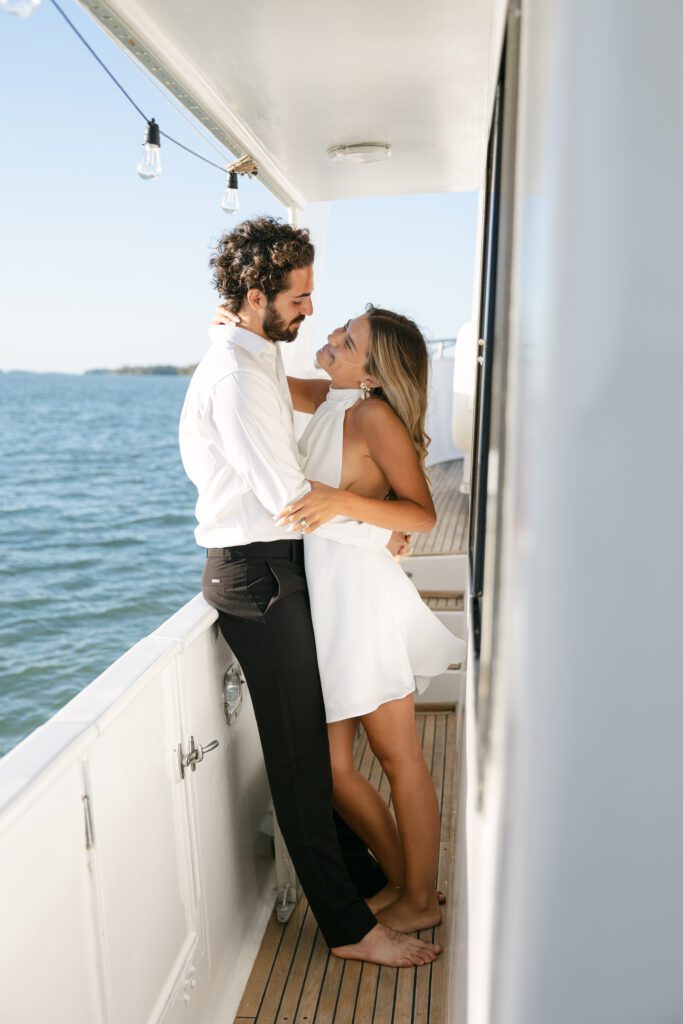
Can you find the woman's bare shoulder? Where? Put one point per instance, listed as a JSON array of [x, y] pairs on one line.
[[374, 414]]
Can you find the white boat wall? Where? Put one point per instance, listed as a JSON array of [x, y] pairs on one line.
[[131, 894], [575, 696]]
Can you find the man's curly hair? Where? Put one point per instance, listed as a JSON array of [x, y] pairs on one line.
[[258, 253]]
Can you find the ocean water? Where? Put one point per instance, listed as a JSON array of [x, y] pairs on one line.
[[96, 541]]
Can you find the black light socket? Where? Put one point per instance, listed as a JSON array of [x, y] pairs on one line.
[[152, 134]]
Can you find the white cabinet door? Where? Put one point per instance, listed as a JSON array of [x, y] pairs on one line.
[[48, 944], [145, 871], [229, 799]]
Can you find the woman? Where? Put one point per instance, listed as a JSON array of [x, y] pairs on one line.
[[376, 640]]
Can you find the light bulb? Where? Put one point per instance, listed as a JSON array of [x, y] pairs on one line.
[[231, 198], [149, 167], [22, 8]]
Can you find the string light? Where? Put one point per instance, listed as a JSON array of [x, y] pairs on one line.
[[231, 200], [149, 166]]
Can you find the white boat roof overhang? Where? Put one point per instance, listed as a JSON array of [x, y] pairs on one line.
[[283, 81]]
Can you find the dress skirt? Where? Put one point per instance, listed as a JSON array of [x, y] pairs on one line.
[[376, 639]]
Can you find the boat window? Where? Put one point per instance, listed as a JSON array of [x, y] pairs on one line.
[[488, 451]]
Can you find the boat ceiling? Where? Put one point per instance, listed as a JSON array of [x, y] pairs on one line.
[[284, 81]]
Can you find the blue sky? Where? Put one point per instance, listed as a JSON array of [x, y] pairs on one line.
[[98, 268]]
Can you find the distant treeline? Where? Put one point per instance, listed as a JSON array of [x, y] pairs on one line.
[[147, 371]]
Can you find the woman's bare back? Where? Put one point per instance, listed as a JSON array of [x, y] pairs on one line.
[[360, 473]]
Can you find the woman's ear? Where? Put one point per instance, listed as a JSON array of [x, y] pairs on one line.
[[371, 381]]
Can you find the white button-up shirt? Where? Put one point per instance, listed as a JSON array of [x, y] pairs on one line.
[[238, 446]]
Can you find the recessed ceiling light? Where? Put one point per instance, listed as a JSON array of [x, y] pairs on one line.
[[360, 153]]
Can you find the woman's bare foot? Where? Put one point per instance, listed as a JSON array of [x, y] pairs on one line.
[[390, 893], [407, 916], [383, 945], [384, 897]]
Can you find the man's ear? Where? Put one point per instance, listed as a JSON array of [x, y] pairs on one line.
[[256, 299]]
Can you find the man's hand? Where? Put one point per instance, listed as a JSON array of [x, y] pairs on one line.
[[222, 315], [306, 514], [399, 543]]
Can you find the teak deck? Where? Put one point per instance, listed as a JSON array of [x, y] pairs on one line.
[[449, 536], [295, 979]]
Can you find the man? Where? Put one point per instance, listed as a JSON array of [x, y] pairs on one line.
[[238, 446]]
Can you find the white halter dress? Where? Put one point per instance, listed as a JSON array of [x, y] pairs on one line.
[[375, 637]]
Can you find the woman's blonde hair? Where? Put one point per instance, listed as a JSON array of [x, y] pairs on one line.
[[399, 359]]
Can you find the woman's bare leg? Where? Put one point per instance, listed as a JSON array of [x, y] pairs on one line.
[[364, 810], [393, 738]]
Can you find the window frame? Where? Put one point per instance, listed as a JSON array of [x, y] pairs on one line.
[[489, 432]]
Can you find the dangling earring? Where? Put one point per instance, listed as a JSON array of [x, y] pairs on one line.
[[365, 387]]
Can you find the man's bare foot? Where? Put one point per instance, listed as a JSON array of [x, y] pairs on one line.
[[407, 916], [384, 897], [383, 945]]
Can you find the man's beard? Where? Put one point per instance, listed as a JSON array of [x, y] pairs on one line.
[[275, 328]]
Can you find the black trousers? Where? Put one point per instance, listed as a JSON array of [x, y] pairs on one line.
[[261, 596]]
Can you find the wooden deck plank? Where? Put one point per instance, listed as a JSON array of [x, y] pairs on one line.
[[424, 986], [427, 737], [439, 978], [405, 996], [366, 764], [260, 974], [386, 993], [293, 990], [329, 993], [364, 755], [367, 995], [312, 984], [449, 791], [443, 600], [295, 979], [438, 754], [449, 536], [282, 967], [376, 777], [348, 991]]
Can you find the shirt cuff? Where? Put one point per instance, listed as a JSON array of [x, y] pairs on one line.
[[381, 535]]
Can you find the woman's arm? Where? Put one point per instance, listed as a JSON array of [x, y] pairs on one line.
[[391, 448], [308, 392]]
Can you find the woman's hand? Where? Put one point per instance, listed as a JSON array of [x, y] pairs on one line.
[[399, 543], [320, 505], [222, 315]]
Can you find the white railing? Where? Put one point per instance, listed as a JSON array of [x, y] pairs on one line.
[[440, 412]]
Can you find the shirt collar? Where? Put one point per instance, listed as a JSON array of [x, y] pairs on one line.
[[235, 335]]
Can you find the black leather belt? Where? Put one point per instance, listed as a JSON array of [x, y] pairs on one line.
[[290, 549]]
